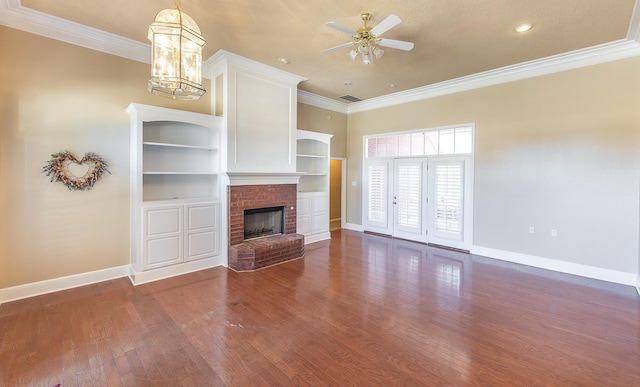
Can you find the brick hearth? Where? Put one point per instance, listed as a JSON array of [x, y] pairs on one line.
[[259, 253]]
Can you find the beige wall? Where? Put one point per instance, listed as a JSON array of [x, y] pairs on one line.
[[320, 120], [558, 151], [55, 97]]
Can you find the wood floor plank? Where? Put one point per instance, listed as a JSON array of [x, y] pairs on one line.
[[359, 309]]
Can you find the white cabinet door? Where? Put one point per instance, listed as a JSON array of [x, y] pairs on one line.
[[319, 213], [313, 216], [163, 236], [304, 214], [202, 237], [164, 251]]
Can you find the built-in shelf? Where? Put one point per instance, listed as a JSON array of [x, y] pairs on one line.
[[175, 192], [164, 144], [313, 189], [179, 173]]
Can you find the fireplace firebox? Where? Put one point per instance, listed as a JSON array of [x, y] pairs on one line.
[[263, 222]]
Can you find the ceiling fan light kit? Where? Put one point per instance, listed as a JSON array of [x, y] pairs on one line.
[[176, 57], [367, 40]]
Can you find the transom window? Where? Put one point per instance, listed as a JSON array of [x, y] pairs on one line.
[[447, 141]]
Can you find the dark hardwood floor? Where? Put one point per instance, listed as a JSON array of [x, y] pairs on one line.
[[358, 310]]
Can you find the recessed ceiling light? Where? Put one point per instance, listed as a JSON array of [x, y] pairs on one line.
[[284, 60], [347, 83], [523, 27]]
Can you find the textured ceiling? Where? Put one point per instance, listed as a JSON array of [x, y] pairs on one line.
[[453, 38]]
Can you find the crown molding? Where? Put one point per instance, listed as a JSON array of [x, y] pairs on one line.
[[14, 15], [620, 49], [308, 98]]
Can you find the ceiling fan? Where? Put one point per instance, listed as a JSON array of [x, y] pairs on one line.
[[367, 40]]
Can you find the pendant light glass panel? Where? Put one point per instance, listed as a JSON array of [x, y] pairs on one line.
[[176, 67]]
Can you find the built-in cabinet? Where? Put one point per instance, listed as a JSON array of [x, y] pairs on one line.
[[179, 233], [312, 159], [175, 192]]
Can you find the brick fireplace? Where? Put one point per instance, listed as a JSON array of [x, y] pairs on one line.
[[248, 255]]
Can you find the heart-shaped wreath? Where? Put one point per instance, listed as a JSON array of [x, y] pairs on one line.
[[73, 173]]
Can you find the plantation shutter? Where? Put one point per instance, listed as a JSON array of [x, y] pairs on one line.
[[449, 196], [377, 203], [409, 188]]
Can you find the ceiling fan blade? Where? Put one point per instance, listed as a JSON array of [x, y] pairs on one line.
[[336, 48], [388, 23], [399, 44], [340, 28]]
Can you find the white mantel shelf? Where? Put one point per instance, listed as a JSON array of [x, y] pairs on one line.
[[263, 178]]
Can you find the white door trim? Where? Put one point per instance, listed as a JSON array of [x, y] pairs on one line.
[[343, 192]]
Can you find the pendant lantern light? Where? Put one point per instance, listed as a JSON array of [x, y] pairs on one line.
[[176, 63]]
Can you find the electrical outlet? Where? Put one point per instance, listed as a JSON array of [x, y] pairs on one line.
[[531, 230], [554, 232]]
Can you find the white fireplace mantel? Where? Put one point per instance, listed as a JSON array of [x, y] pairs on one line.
[[263, 178]]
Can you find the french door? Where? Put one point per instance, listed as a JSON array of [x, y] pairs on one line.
[[408, 188], [421, 199]]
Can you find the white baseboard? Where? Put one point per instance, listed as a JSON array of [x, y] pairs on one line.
[[53, 285], [142, 277], [354, 227], [599, 273], [57, 284], [317, 238]]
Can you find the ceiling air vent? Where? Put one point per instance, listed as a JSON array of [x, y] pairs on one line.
[[350, 98]]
